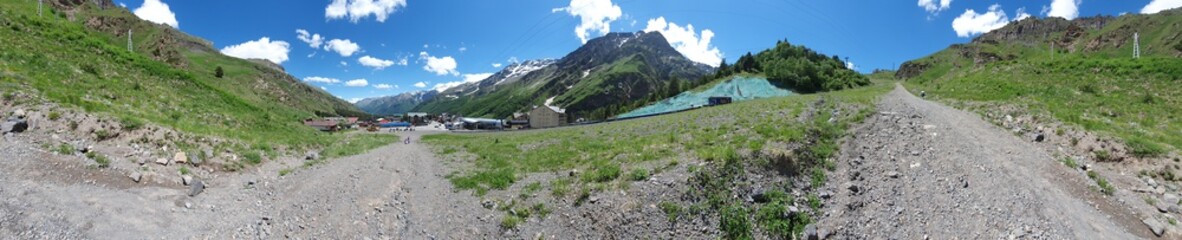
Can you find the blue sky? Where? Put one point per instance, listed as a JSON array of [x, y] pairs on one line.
[[408, 45]]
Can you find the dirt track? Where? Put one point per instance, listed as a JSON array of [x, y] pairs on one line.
[[394, 192], [919, 170]]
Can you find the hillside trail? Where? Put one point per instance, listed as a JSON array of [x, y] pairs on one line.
[[396, 191], [920, 170]]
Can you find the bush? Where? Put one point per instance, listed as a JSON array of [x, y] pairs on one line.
[[103, 134], [638, 174], [65, 149], [1144, 148], [184, 170], [603, 173], [734, 223], [54, 116], [672, 210], [510, 221], [253, 157], [101, 160], [219, 72], [131, 123]]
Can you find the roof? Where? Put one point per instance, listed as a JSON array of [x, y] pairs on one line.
[[416, 114], [556, 109]]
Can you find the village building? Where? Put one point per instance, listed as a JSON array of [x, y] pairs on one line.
[[547, 117]]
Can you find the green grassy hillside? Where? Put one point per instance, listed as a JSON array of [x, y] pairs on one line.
[[77, 56], [1089, 80]]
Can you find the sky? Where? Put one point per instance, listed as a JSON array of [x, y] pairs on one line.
[[358, 49]]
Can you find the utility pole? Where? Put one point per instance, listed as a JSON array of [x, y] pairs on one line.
[[1136, 45]]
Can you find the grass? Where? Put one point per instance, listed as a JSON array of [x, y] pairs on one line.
[[1069, 162], [731, 138], [101, 160], [1102, 183], [65, 149], [164, 85], [284, 172], [184, 170]]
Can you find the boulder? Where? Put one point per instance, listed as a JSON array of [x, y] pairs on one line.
[[810, 232], [311, 155], [17, 126], [136, 176], [180, 158], [1156, 226], [196, 187], [162, 161], [759, 197], [19, 113], [186, 179], [892, 174], [195, 159]]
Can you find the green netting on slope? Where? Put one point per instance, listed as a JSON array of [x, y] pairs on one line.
[[738, 88]]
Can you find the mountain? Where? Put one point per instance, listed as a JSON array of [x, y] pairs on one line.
[[1080, 72], [613, 73], [76, 54], [395, 105]]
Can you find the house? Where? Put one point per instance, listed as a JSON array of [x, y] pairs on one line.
[[417, 118], [712, 101], [326, 125], [547, 117]]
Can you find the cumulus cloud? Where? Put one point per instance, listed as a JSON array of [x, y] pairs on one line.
[[354, 100], [357, 83], [496, 65], [322, 80], [345, 47], [972, 23], [375, 63], [313, 40], [934, 7], [1156, 6], [1068, 9], [383, 86], [687, 41], [468, 78], [356, 10], [439, 65], [264, 48], [421, 84], [1021, 14], [157, 12], [594, 15]]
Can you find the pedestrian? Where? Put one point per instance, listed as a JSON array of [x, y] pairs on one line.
[[407, 141]]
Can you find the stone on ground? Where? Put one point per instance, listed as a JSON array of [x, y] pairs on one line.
[[180, 158]]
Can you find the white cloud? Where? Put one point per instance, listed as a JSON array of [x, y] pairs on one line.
[[313, 40], [934, 7], [687, 42], [383, 86], [463, 49], [322, 80], [375, 63], [354, 100], [323, 88], [1068, 9], [496, 65], [594, 15], [972, 23], [122, 5], [1156, 6], [359, 9], [402, 62], [468, 78], [1021, 14], [851, 66], [439, 65], [157, 12], [264, 48], [344, 47], [357, 83], [421, 84], [343, 63]]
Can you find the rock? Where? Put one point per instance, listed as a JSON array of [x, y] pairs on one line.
[[594, 199], [1175, 209], [760, 197], [914, 153], [1157, 227], [825, 194], [17, 126], [142, 161], [311, 155], [810, 232], [1150, 182], [1086, 167], [19, 113], [488, 204], [1170, 198], [136, 176], [1039, 137], [574, 172], [162, 161], [892, 174], [1162, 207], [196, 187], [1159, 190], [195, 159], [180, 158], [186, 179], [851, 186]]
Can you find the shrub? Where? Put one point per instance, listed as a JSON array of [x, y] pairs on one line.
[[219, 72], [672, 210], [734, 223], [65, 149], [103, 134], [1144, 148], [510, 221], [54, 116], [131, 123], [253, 157], [284, 172], [184, 170], [101, 160], [603, 173], [638, 174], [559, 187], [1103, 156], [541, 210]]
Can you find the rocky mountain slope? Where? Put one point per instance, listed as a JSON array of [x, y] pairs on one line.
[[401, 103], [616, 71], [397, 104]]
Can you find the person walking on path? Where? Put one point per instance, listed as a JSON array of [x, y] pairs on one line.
[[407, 141]]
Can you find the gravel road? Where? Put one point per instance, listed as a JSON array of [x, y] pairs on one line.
[[918, 170], [394, 192]]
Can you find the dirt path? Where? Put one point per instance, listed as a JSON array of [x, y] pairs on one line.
[[393, 192], [920, 170]]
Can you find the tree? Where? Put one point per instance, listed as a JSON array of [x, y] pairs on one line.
[[219, 72]]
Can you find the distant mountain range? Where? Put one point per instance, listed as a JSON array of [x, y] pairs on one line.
[[616, 71]]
